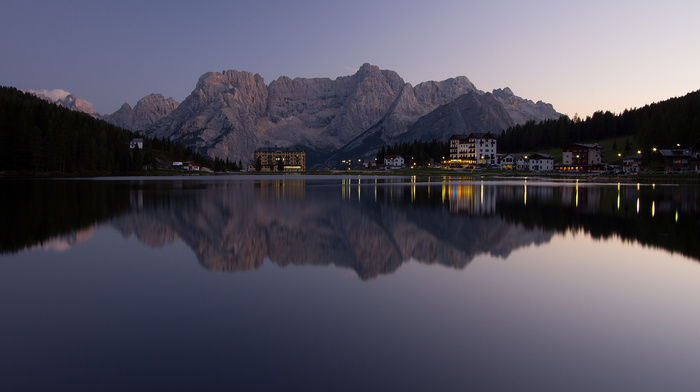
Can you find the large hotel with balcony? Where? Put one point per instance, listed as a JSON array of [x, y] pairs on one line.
[[292, 159], [473, 149]]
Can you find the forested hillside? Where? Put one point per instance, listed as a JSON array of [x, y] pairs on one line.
[[40, 137], [662, 125]]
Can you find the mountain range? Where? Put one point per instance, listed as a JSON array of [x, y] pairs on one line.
[[65, 99], [232, 113]]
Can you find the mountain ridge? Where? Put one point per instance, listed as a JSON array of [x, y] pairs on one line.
[[232, 113]]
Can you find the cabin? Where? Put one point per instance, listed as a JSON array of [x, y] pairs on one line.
[[136, 143], [190, 165]]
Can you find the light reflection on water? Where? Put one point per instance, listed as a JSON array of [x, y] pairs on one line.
[[446, 284]]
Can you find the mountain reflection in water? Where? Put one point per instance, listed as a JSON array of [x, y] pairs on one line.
[[371, 225]]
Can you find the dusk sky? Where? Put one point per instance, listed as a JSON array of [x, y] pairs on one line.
[[578, 56]]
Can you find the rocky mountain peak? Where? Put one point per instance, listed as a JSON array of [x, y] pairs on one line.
[[367, 68], [503, 93], [65, 99], [147, 110], [231, 113], [522, 110]]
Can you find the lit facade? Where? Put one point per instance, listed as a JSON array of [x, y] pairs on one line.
[[513, 162], [293, 159], [474, 149], [579, 154]]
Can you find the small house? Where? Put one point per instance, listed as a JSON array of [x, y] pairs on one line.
[[136, 143], [677, 160], [394, 161], [632, 164]]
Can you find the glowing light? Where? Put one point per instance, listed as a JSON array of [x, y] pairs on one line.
[[653, 208]]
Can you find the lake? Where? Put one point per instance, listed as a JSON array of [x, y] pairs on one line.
[[348, 283]]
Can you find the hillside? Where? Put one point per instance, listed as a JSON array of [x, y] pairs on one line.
[[39, 137], [670, 123]]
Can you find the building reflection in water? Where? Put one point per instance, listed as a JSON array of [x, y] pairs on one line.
[[281, 189], [370, 224]]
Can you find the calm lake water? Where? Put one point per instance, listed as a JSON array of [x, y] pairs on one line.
[[348, 284]]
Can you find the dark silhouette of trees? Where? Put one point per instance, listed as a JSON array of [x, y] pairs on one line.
[[258, 164], [666, 124], [38, 136], [422, 152]]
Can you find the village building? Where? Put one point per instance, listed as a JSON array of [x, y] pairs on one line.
[[136, 143], [581, 157], [473, 149], [190, 165], [513, 162], [541, 163], [677, 160], [632, 164], [291, 159], [394, 161], [695, 163]]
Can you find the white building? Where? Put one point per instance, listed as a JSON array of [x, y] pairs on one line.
[[136, 143], [632, 164], [474, 149], [394, 161], [541, 162]]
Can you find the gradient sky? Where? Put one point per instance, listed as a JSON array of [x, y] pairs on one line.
[[579, 56]]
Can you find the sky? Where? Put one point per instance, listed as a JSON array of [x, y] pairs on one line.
[[579, 56]]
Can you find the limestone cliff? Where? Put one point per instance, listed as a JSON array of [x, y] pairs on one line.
[[230, 114], [523, 110], [147, 111]]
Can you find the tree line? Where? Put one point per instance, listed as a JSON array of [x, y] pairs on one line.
[[665, 124], [422, 152], [41, 137]]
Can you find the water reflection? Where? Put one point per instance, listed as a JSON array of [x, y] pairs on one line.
[[369, 224]]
